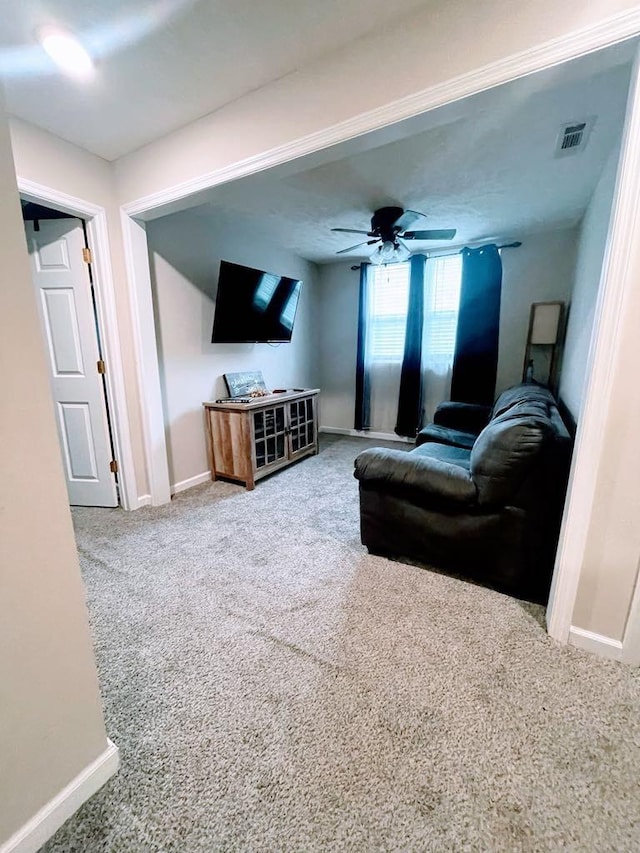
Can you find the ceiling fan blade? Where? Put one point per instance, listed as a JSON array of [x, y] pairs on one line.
[[357, 246], [406, 220], [433, 234], [351, 231]]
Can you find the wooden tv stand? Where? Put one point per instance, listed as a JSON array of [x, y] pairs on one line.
[[247, 441]]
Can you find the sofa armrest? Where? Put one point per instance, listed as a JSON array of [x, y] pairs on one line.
[[420, 475], [467, 417]]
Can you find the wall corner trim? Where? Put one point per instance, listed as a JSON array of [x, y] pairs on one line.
[[616, 282], [597, 644], [136, 255], [39, 829]]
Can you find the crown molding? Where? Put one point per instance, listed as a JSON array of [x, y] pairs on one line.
[[554, 52]]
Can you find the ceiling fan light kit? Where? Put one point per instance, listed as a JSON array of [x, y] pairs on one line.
[[390, 253], [388, 226]]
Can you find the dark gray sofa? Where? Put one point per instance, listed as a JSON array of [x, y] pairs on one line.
[[481, 494]]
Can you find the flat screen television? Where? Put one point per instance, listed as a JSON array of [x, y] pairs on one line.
[[253, 306]]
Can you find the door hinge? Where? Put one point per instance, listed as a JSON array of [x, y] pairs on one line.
[[113, 466], [101, 366], [86, 256]]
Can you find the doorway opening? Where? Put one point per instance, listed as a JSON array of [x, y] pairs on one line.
[[61, 267], [615, 283]]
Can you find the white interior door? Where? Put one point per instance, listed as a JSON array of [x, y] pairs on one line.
[[63, 289]]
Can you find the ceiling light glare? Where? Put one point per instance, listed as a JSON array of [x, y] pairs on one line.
[[67, 52]]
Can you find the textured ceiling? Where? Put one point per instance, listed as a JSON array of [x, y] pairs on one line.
[[486, 166], [164, 63]]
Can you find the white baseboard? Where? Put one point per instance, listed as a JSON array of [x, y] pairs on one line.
[[47, 821], [198, 480], [143, 500], [597, 644], [380, 436]]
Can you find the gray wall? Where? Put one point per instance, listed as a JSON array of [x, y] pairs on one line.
[[590, 254], [186, 249], [338, 331], [540, 270]]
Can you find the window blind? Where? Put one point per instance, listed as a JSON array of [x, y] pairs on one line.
[[442, 300], [388, 311], [389, 302]]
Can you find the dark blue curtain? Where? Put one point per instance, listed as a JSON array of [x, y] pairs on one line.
[[362, 418], [410, 399], [475, 362]]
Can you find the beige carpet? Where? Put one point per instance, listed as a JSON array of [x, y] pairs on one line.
[[272, 687]]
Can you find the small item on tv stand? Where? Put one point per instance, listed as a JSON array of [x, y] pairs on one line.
[[246, 383]]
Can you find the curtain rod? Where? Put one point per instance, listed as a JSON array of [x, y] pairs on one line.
[[516, 244], [513, 245]]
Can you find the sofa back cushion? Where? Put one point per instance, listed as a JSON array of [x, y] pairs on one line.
[[524, 393], [508, 449]]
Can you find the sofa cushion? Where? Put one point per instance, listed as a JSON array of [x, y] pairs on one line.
[[523, 409], [507, 448], [417, 476], [468, 417], [526, 392], [446, 435], [445, 453]]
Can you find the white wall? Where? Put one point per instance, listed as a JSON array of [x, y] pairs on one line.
[[51, 717], [591, 245], [186, 250], [540, 270]]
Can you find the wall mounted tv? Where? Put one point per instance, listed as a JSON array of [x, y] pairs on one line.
[[253, 306]]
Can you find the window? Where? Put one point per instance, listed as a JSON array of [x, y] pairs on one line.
[[389, 299], [442, 298]]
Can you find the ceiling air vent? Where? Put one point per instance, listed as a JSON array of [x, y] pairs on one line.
[[573, 137]]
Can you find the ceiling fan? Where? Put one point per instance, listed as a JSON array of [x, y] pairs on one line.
[[389, 228]]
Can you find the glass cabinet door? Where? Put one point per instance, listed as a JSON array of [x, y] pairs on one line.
[[269, 436], [301, 425]]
